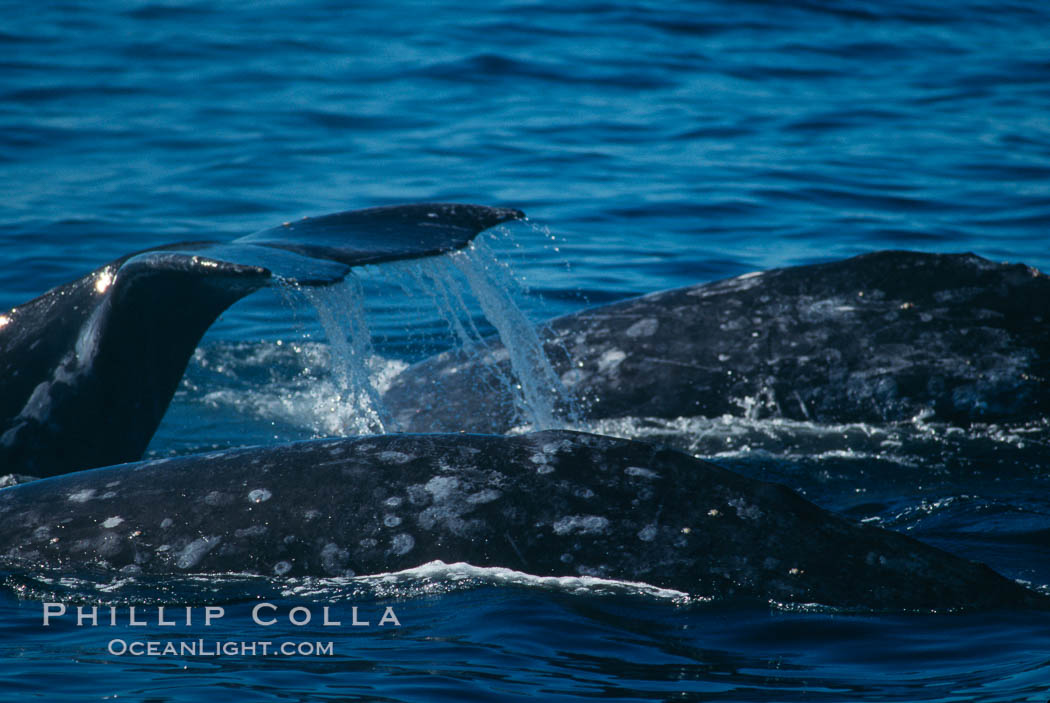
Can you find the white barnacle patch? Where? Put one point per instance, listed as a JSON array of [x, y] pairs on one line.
[[643, 328], [391, 521], [581, 524], [81, 496], [391, 457], [417, 494], [610, 360], [282, 567], [259, 495], [640, 472], [216, 498], [743, 282], [334, 559], [555, 447], [445, 514], [402, 544], [253, 531], [484, 496], [196, 550], [392, 502], [542, 467], [441, 487], [112, 522], [647, 533], [312, 514], [745, 511]]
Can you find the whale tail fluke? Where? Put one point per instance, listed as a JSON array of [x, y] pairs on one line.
[[380, 234], [88, 369], [316, 251]]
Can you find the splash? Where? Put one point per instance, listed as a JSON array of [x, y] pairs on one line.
[[433, 578], [472, 293], [438, 577], [310, 396], [472, 288], [340, 308], [473, 280]]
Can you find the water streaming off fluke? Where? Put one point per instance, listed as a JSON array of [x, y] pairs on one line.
[[466, 289]]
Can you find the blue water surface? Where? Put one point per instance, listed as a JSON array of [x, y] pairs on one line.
[[653, 145]]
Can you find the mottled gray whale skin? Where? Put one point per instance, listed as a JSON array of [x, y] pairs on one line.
[[552, 503], [87, 370], [880, 337]]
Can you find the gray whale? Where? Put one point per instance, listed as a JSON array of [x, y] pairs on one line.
[[552, 503], [879, 337], [88, 369]]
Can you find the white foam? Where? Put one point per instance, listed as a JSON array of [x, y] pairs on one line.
[[317, 404], [341, 310], [439, 572]]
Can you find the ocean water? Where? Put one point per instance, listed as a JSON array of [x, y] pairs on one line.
[[653, 145]]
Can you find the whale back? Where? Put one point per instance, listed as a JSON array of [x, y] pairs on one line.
[[880, 337], [553, 503]]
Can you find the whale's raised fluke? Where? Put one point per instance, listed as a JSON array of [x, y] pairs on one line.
[[382, 234], [88, 369]]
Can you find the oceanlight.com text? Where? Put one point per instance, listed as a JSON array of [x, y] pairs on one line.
[[218, 648]]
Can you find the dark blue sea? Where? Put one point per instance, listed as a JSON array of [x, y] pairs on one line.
[[653, 145]]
